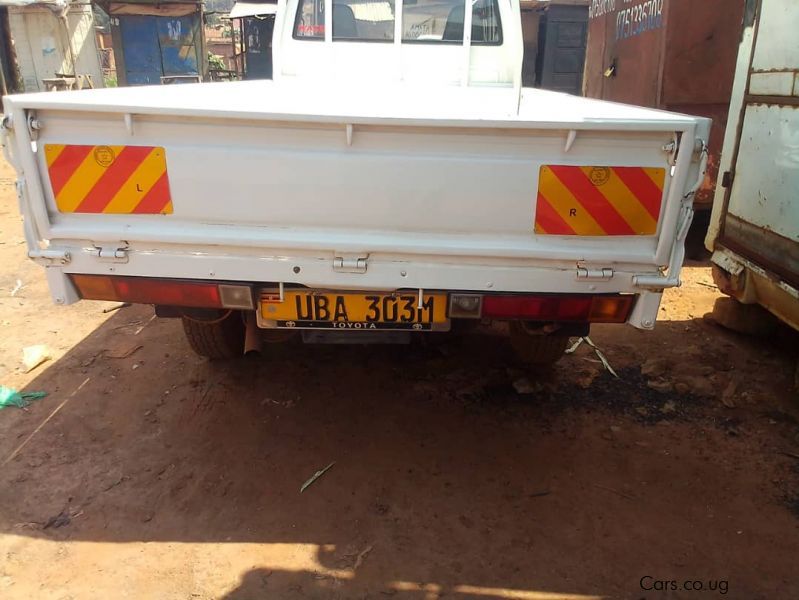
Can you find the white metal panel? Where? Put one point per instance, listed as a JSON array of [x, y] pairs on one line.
[[778, 83], [322, 102], [766, 187], [384, 270], [489, 65], [777, 46], [766, 174], [432, 190]]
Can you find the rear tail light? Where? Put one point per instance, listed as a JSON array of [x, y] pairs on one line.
[[165, 292], [200, 294], [588, 309], [611, 309]]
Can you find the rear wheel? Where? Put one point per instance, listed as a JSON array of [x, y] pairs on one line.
[[534, 347], [217, 338]]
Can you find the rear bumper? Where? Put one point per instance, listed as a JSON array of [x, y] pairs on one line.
[[643, 312]]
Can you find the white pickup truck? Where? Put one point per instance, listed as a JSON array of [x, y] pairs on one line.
[[394, 178]]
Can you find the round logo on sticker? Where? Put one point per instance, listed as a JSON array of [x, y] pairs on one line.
[[104, 155], [599, 175]]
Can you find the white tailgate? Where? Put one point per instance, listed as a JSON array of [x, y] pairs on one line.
[[422, 190], [276, 193]]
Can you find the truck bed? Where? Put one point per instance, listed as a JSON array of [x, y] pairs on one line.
[[287, 183]]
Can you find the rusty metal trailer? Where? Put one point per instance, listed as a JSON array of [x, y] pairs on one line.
[[754, 232]]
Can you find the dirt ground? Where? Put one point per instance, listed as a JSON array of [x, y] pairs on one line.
[[456, 475]]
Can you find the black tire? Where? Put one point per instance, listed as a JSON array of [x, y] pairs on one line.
[[536, 349], [218, 339]]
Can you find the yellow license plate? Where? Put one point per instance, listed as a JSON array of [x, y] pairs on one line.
[[304, 309]]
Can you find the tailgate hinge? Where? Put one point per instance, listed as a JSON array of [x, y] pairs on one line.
[[594, 274], [350, 263], [113, 253]]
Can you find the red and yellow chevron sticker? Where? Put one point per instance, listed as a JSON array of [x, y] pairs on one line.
[[599, 200], [118, 180]]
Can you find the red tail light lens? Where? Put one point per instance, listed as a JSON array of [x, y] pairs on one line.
[[536, 307], [589, 309], [144, 290]]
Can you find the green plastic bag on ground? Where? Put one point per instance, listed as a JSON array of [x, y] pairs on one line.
[[11, 397]]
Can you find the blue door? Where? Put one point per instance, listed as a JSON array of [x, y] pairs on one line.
[[156, 46], [176, 37], [141, 50]]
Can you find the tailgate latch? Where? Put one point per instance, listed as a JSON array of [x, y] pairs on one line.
[[350, 263], [112, 254], [594, 274]]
